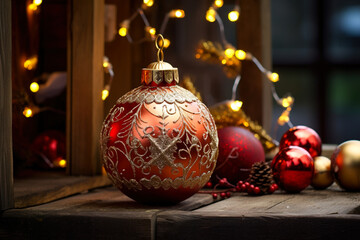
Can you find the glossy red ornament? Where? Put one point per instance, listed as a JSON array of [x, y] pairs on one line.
[[50, 147], [293, 169], [304, 137], [159, 142], [238, 151]]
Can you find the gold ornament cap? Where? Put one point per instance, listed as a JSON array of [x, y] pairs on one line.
[[160, 72]]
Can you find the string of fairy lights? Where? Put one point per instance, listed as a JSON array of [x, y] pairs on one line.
[[226, 55], [31, 62], [150, 32]]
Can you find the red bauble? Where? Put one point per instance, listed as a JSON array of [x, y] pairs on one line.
[[293, 169], [159, 142], [238, 151], [50, 147], [304, 137]]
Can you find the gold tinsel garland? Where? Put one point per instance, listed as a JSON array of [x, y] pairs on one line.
[[213, 53], [225, 116]]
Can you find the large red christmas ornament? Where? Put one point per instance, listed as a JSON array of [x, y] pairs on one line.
[[293, 169], [238, 151], [345, 164], [159, 142], [304, 137]]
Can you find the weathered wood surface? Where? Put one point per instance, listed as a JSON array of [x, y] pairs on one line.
[[6, 163], [328, 214], [85, 84], [107, 213], [98, 214], [309, 202], [38, 190]]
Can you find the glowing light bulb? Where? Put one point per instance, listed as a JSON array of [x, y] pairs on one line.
[[123, 31], [104, 94], [287, 101], [236, 105], [152, 31], [32, 7], [284, 117], [37, 2], [62, 163], [177, 13], [219, 3], [166, 43], [34, 87], [223, 61], [27, 112], [233, 15], [148, 3], [274, 77], [106, 64], [240, 54], [30, 63], [211, 15], [229, 52]]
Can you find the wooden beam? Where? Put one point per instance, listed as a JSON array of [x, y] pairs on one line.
[[254, 35], [85, 83], [6, 162]]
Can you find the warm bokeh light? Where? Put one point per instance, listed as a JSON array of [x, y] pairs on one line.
[[166, 43], [177, 13], [223, 61], [27, 112], [104, 94], [123, 31], [30, 63], [32, 7], [219, 3], [229, 52], [287, 101], [240, 54], [37, 2], [236, 105], [148, 3], [34, 87], [274, 77], [284, 117], [152, 31], [233, 15], [211, 15], [62, 163]]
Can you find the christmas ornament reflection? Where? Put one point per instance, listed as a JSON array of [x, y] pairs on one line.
[[323, 176], [345, 164], [293, 168], [303, 137], [159, 142]]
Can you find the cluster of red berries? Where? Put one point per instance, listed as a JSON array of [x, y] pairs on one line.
[[240, 187], [254, 190]]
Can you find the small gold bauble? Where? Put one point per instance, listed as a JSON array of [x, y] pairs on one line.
[[323, 176], [345, 164]]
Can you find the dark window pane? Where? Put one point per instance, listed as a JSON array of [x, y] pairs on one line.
[[343, 106], [343, 31], [294, 30]]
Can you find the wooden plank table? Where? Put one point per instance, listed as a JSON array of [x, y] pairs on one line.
[[106, 213]]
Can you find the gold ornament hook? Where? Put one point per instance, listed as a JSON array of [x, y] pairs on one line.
[[159, 43]]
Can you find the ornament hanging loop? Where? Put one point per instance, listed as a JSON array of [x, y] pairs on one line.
[[159, 43]]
